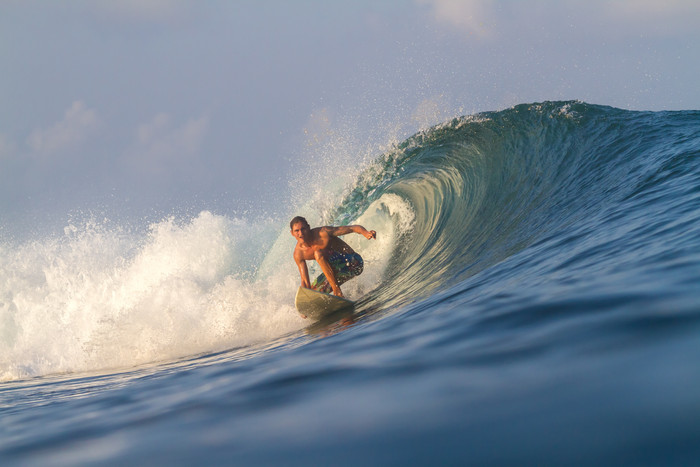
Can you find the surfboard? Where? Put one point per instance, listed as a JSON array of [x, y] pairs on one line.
[[317, 305]]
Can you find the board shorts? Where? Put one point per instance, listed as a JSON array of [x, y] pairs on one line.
[[345, 266]]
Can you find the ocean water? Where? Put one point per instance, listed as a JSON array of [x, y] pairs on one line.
[[532, 298]]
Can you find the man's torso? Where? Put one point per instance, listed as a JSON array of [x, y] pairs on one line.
[[322, 241]]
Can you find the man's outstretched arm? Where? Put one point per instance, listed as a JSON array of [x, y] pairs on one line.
[[346, 229]]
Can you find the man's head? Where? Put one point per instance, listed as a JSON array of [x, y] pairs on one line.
[[297, 220], [299, 227]]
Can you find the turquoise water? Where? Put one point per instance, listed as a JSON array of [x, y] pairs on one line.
[[533, 298]]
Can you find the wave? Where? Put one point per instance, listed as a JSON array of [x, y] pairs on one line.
[[485, 187], [448, 203]]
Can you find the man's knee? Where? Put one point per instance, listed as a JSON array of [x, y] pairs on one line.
[[357, 265]]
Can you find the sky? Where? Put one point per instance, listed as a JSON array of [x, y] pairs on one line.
[[149, 106]]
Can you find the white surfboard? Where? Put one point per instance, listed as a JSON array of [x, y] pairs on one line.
[[316, 305]]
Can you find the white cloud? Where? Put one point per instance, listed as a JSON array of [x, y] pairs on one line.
[[470, 16], [77, 124], [482, 19], [160, 144]]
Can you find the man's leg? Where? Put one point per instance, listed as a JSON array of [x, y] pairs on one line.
[[345, 267]]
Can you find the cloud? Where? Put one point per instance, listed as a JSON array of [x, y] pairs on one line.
[[160, 145], [77, 124], [470, 16], [482, 19]]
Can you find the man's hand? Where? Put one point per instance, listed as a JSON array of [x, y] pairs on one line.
[[369, 234]]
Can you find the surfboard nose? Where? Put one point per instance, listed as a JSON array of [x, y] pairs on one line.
[[316, 305]]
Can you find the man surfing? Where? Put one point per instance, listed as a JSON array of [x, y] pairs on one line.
[[338, 261]]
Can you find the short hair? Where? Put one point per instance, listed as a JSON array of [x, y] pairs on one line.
[[296, 220]]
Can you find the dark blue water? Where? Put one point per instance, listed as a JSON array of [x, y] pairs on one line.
[[533, 298]]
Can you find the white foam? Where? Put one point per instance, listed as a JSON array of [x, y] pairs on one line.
[[100, 298]]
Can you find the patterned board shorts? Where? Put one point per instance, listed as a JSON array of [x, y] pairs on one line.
[[345, 266]]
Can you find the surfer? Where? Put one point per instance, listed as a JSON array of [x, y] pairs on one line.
[[338, 261]]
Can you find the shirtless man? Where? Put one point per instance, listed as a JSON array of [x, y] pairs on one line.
[[338, 261]]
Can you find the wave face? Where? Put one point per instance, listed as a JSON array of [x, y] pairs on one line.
[[570, 193], [532, 298]]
